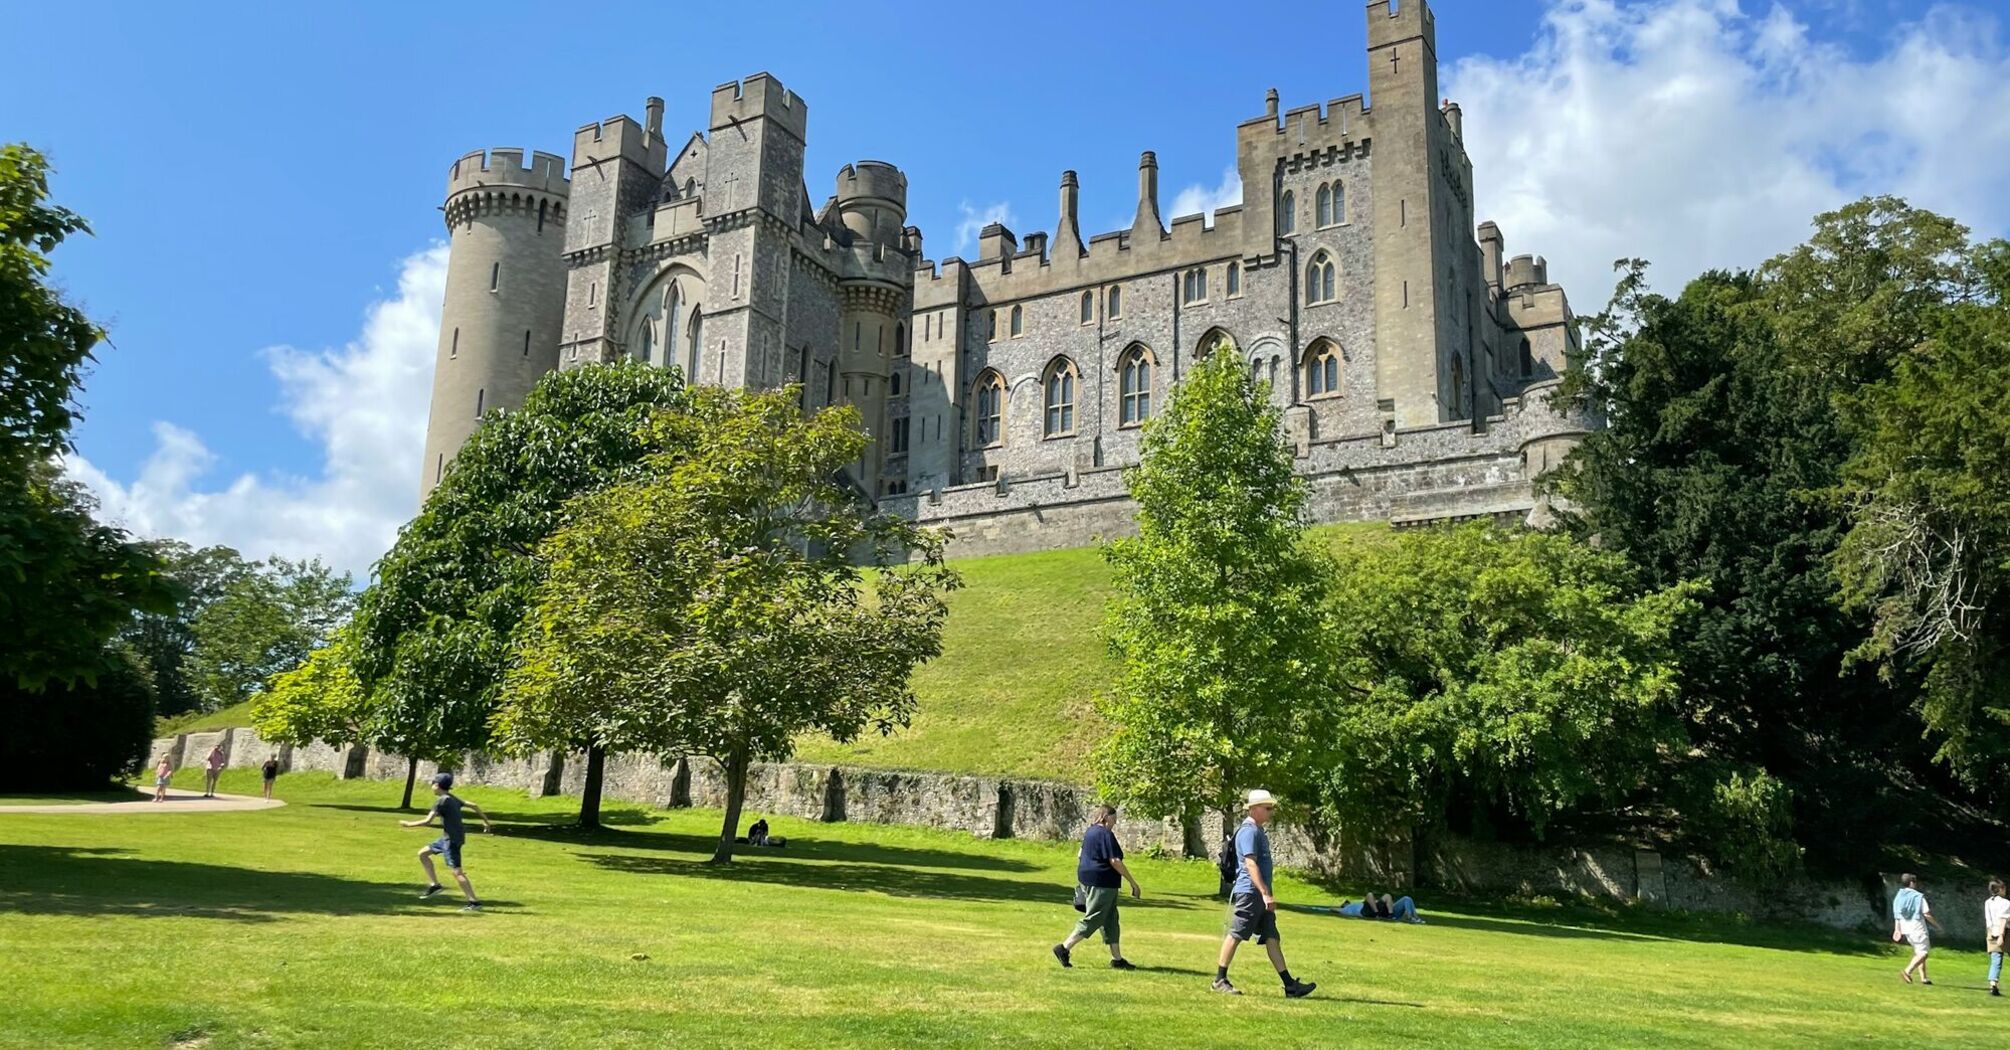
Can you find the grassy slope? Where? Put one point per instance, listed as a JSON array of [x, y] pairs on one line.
[[299, 927], [205, 721], [1022, 661]]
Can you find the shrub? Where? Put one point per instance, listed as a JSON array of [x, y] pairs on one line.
[[79, 737]]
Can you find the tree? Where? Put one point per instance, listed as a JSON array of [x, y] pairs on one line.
[[1724, 446], [433, 633], [715, 605], [1217, 614], [164, 641], [1928, 549], [265, 622], [318, 700], [79, 736], [67, 582], [1503, 677]]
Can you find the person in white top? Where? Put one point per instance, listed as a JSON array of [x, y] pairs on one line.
[[1910, 917], [1995, 917]]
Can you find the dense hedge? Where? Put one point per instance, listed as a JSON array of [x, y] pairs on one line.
[[78, 738]]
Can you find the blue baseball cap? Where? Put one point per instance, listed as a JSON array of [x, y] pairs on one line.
[[445, 780]]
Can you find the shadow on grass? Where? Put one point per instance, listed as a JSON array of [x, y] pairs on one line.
[[891, 879], [800, 849], [59, 880], [563, 820]]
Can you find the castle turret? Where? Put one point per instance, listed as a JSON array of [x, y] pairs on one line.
[[499, 326], [872, 203]]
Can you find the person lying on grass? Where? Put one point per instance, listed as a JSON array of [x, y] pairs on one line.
[[447, 807], [1399, 909]]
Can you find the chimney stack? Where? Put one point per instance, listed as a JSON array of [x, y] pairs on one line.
[[1270, 103], [1068, 232], [652, 119], [1148, 195]]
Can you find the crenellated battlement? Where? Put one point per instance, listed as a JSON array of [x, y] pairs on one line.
[[1394, 21], [505, 168], [759, 96], [1343, 124], [872, 179]]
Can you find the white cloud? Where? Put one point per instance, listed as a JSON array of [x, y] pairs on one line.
[[1697, 135], [974, 219], [364, 404], [1204, 199]]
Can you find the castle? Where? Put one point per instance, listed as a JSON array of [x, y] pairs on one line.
[[1004, 395]]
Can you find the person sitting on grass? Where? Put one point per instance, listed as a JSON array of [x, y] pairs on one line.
[[757, 835], [1099, 874], [1400, 909], [447, 807], [1909, 918]]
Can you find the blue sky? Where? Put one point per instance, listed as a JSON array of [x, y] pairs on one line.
[[264, 180]]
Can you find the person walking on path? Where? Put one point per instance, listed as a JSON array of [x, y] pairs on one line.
[[212, 766], [162, 771], [1910, 916], [1100, 872], [447, 807], [1252, 909], [271, 773], [1995, 917]]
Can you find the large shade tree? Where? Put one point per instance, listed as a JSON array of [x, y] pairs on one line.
[[719, 603], [432, 637]]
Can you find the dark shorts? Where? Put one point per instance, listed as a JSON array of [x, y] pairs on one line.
[[1247, 917], [448, 849]]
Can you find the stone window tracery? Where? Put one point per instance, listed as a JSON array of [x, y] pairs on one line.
[[1134, 384], [1060, 385], [1321, 285], [1322, 370], [990, 416]]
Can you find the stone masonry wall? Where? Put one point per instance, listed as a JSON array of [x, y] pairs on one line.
[[991, 807]]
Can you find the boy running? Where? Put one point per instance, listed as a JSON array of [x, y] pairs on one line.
[[447, 807]]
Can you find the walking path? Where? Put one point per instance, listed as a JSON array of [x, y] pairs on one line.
[[179, 801]]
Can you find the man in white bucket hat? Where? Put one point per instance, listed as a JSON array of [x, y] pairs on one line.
[[1252, 911]]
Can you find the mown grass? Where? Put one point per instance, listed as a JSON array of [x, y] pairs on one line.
[[300, 927]]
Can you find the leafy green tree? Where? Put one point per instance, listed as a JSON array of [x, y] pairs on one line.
[[1503, 677], [164, 641], [67, 582], [1928, 551], [1724, 441], [716, 606], [265, 622], [77, 736], [318, 700], [433, 633], [1217, 615]]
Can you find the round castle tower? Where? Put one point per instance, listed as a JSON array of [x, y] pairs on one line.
[[499, 327], [872, 204]]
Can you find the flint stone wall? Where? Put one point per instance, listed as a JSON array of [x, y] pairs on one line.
[[990, 807]]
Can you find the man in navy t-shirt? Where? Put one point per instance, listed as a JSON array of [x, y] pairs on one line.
[[1100, 872]]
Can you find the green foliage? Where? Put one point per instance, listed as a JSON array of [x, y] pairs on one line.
[[165, 640], [1505, 674], [44, 341], [1747, 819], [265, 621], [80, 736], [433, 633], [714, 605], [1217, 618], [318, 700], [1928, 551]]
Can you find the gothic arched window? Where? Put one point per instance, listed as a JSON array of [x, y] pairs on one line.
[[1234, 282], [1116, 302], [1527, 359], [1088, 307], [1325, 206], [1339, 203], [1060, 384], [648, 341], [1134, 385], [989, 398], [1018, 322], [1322, 370], [1287, 220], [1320, 283]]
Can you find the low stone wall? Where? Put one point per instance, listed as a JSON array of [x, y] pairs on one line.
[[991, 807]]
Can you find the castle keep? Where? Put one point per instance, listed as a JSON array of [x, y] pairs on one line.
[[1412, 359]]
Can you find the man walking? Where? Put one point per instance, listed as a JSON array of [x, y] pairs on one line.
[[1252, 910], [212, 766], [447, 807], [1909, 918], [1098, 872]]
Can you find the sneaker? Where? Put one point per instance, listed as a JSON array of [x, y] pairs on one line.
[[1121, 964], [429, 891], [473, 906], [1299, 989], [1221, 985], [1061, 953], [1993, 990]]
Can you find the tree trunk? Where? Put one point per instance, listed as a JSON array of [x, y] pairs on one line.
[[1227, 867], [589, 792], [411, 777], [736, 793]]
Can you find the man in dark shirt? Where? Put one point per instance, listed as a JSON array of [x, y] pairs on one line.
[[447, 807], [1100, 871]]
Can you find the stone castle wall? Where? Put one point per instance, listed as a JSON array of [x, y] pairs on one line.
[[1003, 807]]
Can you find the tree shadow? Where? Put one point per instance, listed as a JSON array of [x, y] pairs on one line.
[[106, 881], [892, 879], [1636, 925], [798, 848]]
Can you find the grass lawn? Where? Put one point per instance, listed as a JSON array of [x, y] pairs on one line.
[[299, 927], [70, 799], [205, 721], [1022, 661]]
